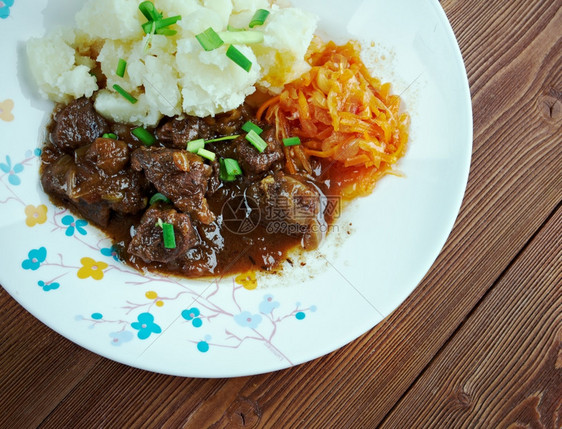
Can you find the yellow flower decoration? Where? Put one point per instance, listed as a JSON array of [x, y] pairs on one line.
[[153, 295], [91, 268], [35, 215], [6, 107], [247, 280]]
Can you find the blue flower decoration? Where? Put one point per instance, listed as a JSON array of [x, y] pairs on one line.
[[203, 346], [12, 171], [111, 252], [268, 305], [118, 338], [300, 315], [48, 286], [248, 320], [192, 315], [35, 258], [5, 6], [146, 326], [74, 225]]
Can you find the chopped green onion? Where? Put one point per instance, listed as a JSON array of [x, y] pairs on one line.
[[231, 28], [241, 37], [194, 145], [166, 32], [259, 17], [158, 197], [149, 27], [239, 58], [121, 66], [156, 23], [144, 136], [207, 154], [149, 11], [292, 141], [249, 126], [221, 139], [256, 141], [125, 94], [166, 22], [160, 24], [169, 235], [209, 39], [224, 176], [109, 136], [232, 167], [149, 38]]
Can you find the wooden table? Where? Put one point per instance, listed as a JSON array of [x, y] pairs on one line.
[[478, 343]]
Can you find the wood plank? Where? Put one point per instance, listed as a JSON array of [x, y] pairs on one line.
[[512, 57], [38, 367], [512, 376], [120, 396]]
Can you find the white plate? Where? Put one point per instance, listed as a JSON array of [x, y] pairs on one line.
[[346, 288]]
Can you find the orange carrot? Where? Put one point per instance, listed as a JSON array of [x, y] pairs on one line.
[[342, 114]]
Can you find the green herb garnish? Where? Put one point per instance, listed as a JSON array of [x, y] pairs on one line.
[[144, 136], [256, 141], [125, 94]]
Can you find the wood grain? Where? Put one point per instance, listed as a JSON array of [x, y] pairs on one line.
[[512, 52], [512, 375], [38, 367]]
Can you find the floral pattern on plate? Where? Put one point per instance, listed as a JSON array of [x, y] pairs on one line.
[[140, 320], [5, 6], [6, 106]]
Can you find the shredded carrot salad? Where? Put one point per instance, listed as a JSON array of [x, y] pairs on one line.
[[342, 115]]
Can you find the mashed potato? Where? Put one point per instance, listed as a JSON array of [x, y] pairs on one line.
[[58, 72], [216, 84], [281, 55], [168, 75]]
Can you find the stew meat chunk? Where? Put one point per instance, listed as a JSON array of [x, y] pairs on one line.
[[96, 175], [76, 125], [255, 162], [178, 132], [179, 175], [292, 204], [148, 241]]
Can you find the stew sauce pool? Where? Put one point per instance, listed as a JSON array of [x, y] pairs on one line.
[[102, 172]]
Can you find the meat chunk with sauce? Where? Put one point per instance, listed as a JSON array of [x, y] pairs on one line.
[[55, 181], [148, 241], [97, 180], [76, 125], [255, 162], [180, 175], [214, 181], [101, 175], [178, 132], [293, 206], [108, 155]]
